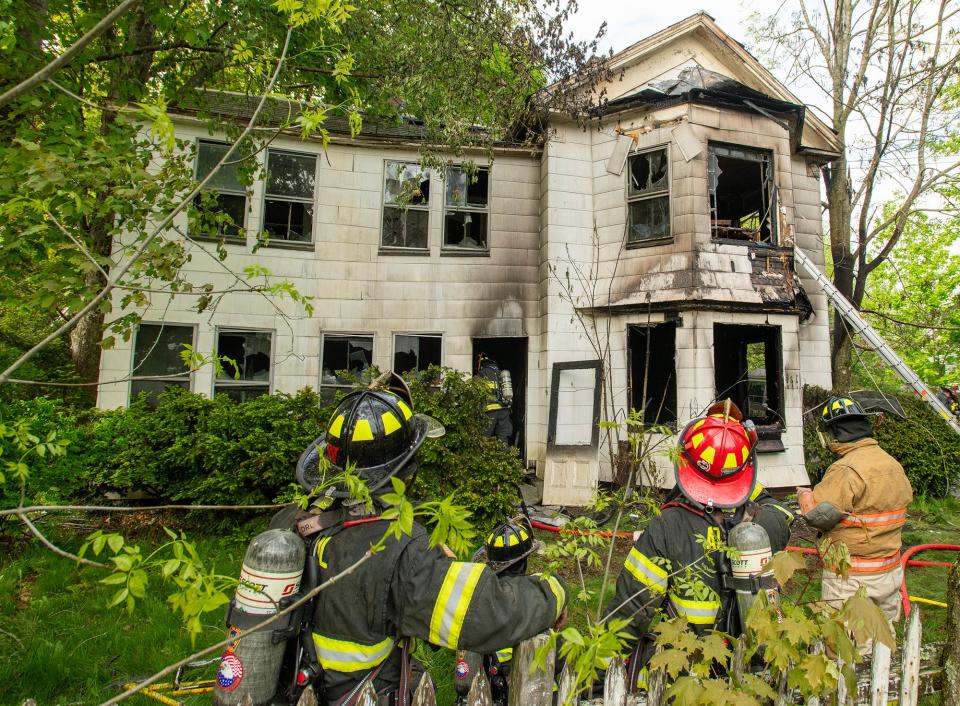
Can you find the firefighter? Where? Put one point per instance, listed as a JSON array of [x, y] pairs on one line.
[[862, 502], [506, 551], [498, 406], [361, 625], [716, 489]]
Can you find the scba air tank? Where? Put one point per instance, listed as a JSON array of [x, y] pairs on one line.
[[506, 386], [751, 567], [272, 569]]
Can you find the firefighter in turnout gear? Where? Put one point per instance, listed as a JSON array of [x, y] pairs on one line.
[[499, 424], [361, 628], [716, 490], [506, 551], [862, 502]]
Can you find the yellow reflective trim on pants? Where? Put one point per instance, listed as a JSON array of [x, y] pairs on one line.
[[558, 593], [646, 572], [451, 607], [696, 612], [505, 655], [347, 656]]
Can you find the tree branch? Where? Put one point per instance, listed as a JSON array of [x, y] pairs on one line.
[[50, 545], [51, 68], [120, 508]]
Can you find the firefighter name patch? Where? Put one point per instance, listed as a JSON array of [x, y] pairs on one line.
[[230, 673]]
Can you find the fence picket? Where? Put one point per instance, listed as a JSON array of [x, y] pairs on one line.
[[531, 687], [615, 685], [425, 695], [880, 674], [307, 698], [910, 674], [368, 695], [566, 689], [479, 694]]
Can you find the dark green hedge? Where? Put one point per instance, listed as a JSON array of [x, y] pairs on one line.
[[927, 447], [192, 449]]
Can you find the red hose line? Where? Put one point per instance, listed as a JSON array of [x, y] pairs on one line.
[[911, 562], [904, 596], [551, 528]]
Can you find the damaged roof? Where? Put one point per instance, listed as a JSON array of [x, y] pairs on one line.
[[695, 84]]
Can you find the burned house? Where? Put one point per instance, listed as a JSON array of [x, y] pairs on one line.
[[654, 245]]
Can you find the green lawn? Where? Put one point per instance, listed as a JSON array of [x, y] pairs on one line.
[[60, 644]]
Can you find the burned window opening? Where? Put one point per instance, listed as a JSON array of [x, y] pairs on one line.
[[648, 197], [465, 222], [246, 363], [406, 206], [413, 352], [344, 360], [748, 366], [742, 194], [157, 361], [653, 372]]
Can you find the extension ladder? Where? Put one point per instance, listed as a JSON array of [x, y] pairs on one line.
[[859, 325]]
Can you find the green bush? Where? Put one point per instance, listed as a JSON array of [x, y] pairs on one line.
[[478, 470], [928, 449]]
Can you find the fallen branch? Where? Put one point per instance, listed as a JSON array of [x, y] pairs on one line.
[[127, 508], [53, 547]]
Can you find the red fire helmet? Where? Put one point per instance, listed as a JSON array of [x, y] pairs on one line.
[[717, 466]]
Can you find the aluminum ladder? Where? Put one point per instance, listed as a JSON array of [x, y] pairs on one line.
[[859, 325]]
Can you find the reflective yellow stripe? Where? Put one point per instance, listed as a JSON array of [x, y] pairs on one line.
[[697, 612], [646, 572], [405, 409], [758, 488], [337, 426], [321, 545], [390, 423], [451, 607], [346, 656], [505, 655], [785, 511], [558, 593], [362, 431]]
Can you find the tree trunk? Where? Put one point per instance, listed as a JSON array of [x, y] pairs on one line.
[[841, 208], [951, 655]]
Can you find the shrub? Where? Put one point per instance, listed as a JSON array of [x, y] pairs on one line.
[[928, 449], [478, 470]]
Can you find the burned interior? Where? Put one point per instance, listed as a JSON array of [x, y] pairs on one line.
[[748, 367], [742, 194], [653, 371]]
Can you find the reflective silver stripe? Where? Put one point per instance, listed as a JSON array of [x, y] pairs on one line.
[[346, 656], [645, 574], [877, 519], [451, 607], [697, 612]]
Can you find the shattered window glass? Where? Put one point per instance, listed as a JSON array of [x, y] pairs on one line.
[[413, 352], [288, 204], [465, 222], [220, 210], [245, 357], [344, 357], [406, 206], [157, 364], [648, 196]]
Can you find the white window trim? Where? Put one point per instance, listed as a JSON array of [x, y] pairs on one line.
[[289, 199], [415, 207], [661, 239], [243, 192], [341, 334], [466, 207], [133, 356], [244, 383], [419, 334]]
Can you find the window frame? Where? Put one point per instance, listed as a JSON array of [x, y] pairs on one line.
[[446, 249], [239, 238], [272, 240], [424, 208], [773, 192], [667, 191], [244, 383], [393, 357], [190, 377], [334, 386]]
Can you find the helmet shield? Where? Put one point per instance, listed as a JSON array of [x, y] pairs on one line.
[[717, 465]]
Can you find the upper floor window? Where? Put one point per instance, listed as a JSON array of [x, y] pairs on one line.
[[742, 194], [415, 351], [157, 363], [288, 199], [648, 196], [247, 368], [221, 209], [465, 213], [406, 206]]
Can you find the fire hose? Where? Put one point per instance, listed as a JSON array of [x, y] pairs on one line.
[[905, 560]]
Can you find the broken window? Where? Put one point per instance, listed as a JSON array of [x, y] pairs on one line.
[[344, 357], [245, 358], [465, 210], [415, 352], [221, 208], [648, 196], [653, 372], [748, 364], [406, 206], [288, 203], [742, 194], [157, 364]]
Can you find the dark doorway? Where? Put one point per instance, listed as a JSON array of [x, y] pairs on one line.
[[510, 354], [748, 363], [653, 371]]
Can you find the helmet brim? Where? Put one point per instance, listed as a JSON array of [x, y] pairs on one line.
[[374, 476], [725, 493], [498, 566]]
